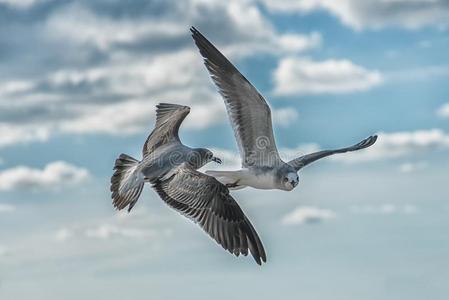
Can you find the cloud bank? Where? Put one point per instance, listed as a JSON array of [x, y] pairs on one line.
[[52, 176], [373, 14], [108, 72], [295, 75]]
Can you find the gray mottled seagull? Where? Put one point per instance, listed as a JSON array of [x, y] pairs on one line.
[[171, 168], [250, 117]]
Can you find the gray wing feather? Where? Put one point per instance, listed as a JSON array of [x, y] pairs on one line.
[[303, 161], [168, 119], [248, 111], [207, 202]]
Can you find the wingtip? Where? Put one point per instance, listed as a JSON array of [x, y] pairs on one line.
[[373, 139], [194, 31], [260, 260]]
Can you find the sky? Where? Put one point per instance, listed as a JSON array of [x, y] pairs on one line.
[[79, 81]]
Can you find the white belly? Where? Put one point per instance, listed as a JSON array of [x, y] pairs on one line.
[[264, 181]]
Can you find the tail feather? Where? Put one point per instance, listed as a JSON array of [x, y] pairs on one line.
[[126, 183]]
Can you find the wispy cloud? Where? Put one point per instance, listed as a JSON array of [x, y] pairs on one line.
[[111, 239], [373, 14], [410, 167], [20, 4], [443, 111], [108, 231], [307, 214], [400, 144], [385, 209], [52, 176], [285, 116], [295, 75], [13, 134]]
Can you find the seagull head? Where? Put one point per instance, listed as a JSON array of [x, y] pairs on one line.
[[203, 156], [290, 181]]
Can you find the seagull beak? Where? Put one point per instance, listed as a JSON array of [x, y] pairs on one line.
[[216, 159]]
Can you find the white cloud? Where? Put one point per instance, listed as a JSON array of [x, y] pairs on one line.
[[53, 175], [119, 93], [250, 30], [295, 75], [174, 77], [14, 86], [384, 209], [285, 116], [20, 4], [79, 25], [137, 115], [443, 111], [12, 134], [7, 208], [108, 231], [400, 144], [410, 167], [63, 234], [118, 118], [307, 214], [373, 14]]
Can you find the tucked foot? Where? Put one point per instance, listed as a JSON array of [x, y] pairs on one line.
[[232, 185]]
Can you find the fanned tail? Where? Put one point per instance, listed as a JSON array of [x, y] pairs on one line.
[[126, 183]]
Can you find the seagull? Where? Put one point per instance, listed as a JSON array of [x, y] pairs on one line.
[[171, 169], [250, 117]]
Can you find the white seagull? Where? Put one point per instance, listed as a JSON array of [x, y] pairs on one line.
[[171, 168], [250, 116]]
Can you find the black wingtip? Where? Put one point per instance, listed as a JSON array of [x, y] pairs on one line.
[[195, 33], [193, 30], [371, 140]]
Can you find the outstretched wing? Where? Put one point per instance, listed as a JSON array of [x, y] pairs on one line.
[[303, 161], [248, 111], [168, 119], [207, 202]]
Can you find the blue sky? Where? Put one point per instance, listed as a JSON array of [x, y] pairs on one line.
[[79, 81]]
